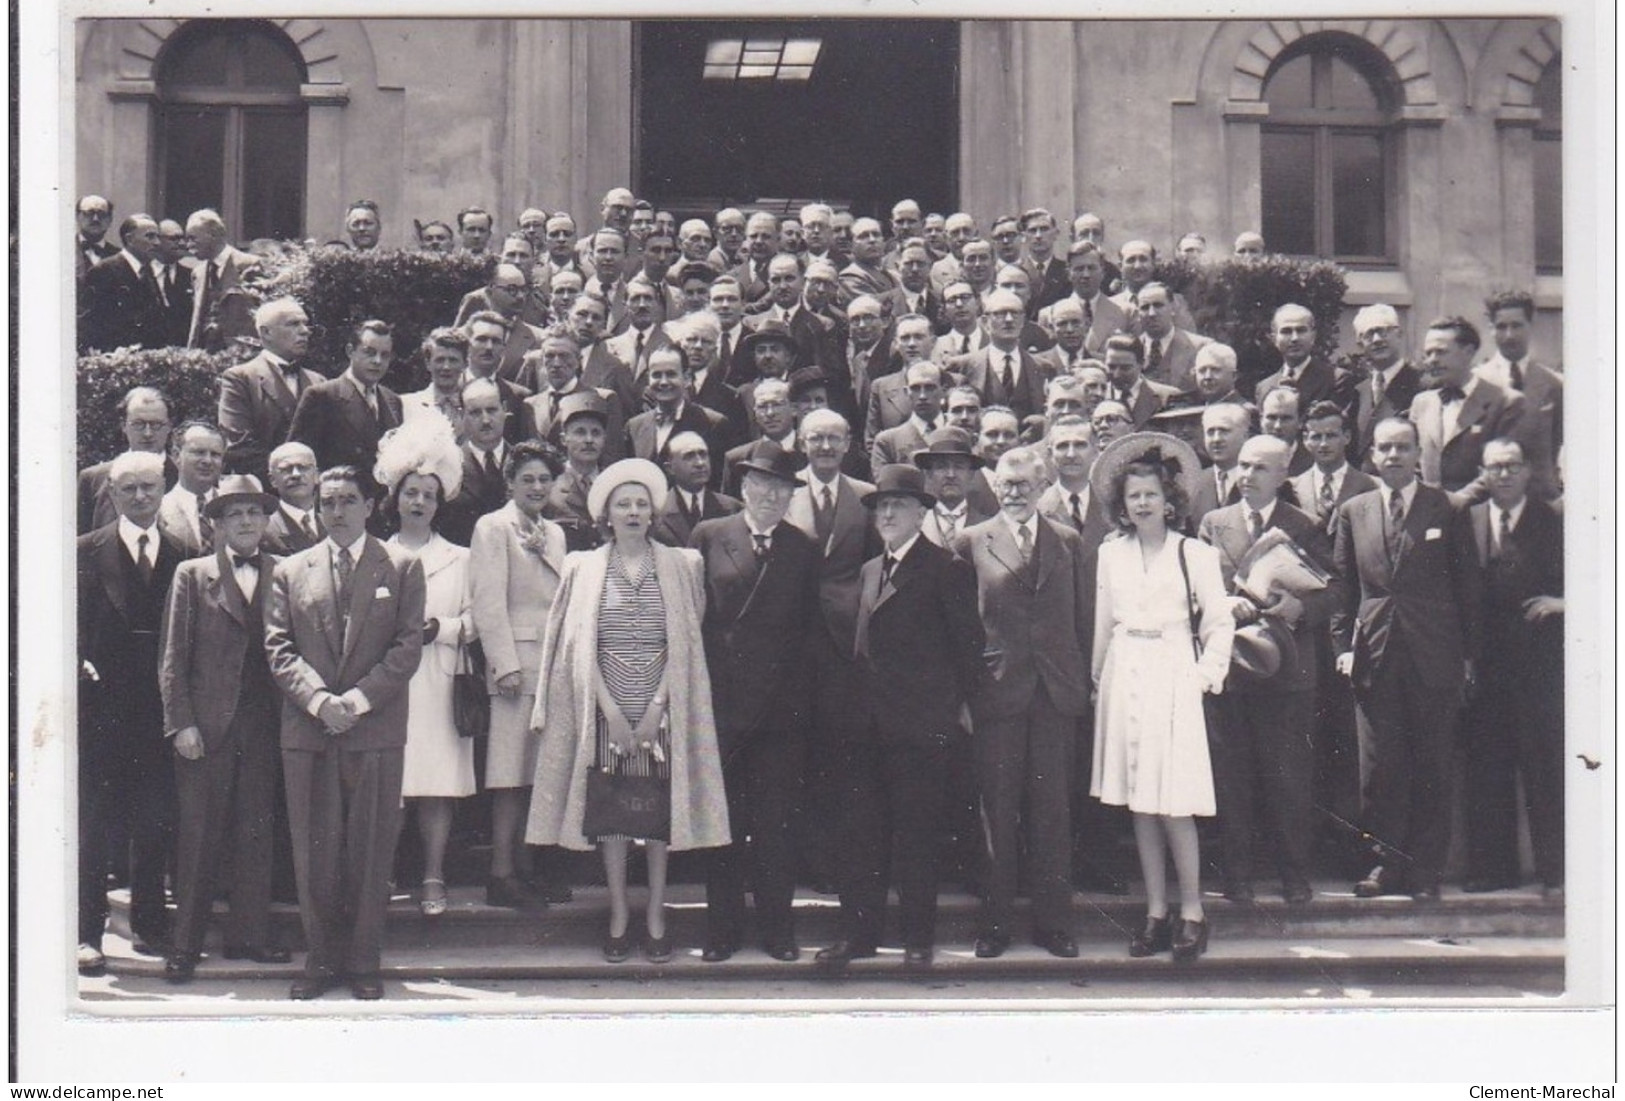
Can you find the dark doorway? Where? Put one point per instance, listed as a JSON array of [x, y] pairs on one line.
[[858, 113]]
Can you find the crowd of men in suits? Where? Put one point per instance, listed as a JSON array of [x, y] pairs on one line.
[[974, 376]]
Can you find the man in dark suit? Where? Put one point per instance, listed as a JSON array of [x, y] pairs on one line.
[[1515, 724], [699, 335], [484, 488], [1036, 599], [341, 420], [1170, 351], [919, 647], [1407, 635], [90, 245], [1540, 432], [1090, 274], [1293, 330], [488, 333], [1331, 479], [688, 465], [172, 268], [1262, 746], [761, 577], [343, 635], [294, 524], [1046, 270], [1144, 399], [119, 302], [1281, 417], [220, 268], [559, 376], [601, 369], [1459, 411], [775, 418], [774, 354], [126, 780], [220, 713], [585, 418], [258, 398], [915, 294], [920, 386], [1003, 373], [144, 412], [1389, 381], [814, 335], [649, 433]]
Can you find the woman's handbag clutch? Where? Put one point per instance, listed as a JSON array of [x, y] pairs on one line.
[[470, 698], [619, 805]]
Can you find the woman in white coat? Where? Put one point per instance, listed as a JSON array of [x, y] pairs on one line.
[[421, 468], [1150, 674]]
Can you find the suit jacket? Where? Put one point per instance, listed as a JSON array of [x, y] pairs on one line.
[[1226, 530], [1516, 651], [1318, 381], [1207, 494], [1368, 412], [815, 337], [1488, 412], [602, 370], [175, 281], [1178, 367], [852, 542], [86, 255], [94, 495], [936, 529], [117, 309], [1054, 505], [333, 420], [208, 635], [203, 328], [1037, 616], [533, 311], [1540, 430], [897, 444], [538, 422], [983, 370], [1049, 286], [642, 435], [716, 395], [623, 346], [889, 406], [1423, 606], [1129, 303], [1107, 318], [283, 535], [946, 347], [673, 526], [181, 527], [373, 646], [855, 279], [256, 409], [1149, 401], [567, 507], [919, 642], [479, 494], [757, 614], [1355, 482]]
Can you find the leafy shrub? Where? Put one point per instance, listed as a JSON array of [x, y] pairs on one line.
[[1234, 301], [187, 376]]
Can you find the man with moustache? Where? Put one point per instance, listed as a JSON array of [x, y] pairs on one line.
[[342, 419], [950, 466], [94, 215], [761, 582], [691, 500], [646, 309], [918, 647], [258, 398], [484, 450], [294, 524]]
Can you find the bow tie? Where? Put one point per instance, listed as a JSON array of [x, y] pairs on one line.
[[1451, 394], [238, 561]]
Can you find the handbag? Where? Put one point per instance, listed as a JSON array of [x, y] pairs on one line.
[[470, 698], [619, 805]]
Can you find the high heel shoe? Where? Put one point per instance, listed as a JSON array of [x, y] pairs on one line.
[[1191, 940], [617, 949], [1157, 936]]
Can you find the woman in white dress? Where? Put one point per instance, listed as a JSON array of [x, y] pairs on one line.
[[422, 468], [1151, 749]]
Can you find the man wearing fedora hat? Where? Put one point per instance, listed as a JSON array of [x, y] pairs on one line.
[[1262, 745], [918, 649], [950, 465], [221, 715], [775, 353], [761, 588], [583, 426]]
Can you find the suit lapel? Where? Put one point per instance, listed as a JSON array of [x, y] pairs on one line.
[[741, 548], [320, 569], [1481, 531], [363, 583], [1473, 410], [225, 582], [111, 567], [1002, 546], [275, 387]]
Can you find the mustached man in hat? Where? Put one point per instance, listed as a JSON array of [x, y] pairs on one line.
[[919, 648]]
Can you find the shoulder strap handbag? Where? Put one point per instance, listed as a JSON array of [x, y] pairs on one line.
[[470, 698]]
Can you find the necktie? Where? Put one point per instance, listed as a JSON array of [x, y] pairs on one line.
[[949, 522], [637, 351], [1024, 542], [1077, 512], [1009, 379], [1153, 361], [1515, 377], [1223, 480], [761, 546], [491, 470], [1376, 389], [1325, 494], [727, 353], [1503, 544], [824, 515], [964, 345], [1289, 375], [552, 407], [308, 526], [149, 283], [293, 376], [205, 526], [887, 566], [211, 280], [346, 566], [1088, 315], [1396, 522], [372, 400], [1123, 396], [168, 285], [692, 504], [1449, 395], [141, 562], [1255, 523]]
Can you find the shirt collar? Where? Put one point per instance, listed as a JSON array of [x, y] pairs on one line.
[[1515, 512], [750, 523], [295, 511], [1408, 494], [129, 533], [1264, 513], [355, 548], [357, 383], [956, 512], [1015, 529], [276, 361], [816, 483], [902, 552]]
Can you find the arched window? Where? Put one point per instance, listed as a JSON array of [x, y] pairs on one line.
[[232, 127], [1327, 170], [1548, 169]]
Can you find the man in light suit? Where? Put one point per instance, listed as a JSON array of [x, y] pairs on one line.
[[1170, 351], [1262, 746], [1459, 412], [646, 312], [1512, 368], [919, 647], [258, 398], [1390, 381], [341, 420], [200, 450], [1102, 316], [1003, 373], [600, 368], [221, 716], [1124, 357], [1408, 637], [219, 269], [1224, 429], [343, 635], [923, 390], [126, 781], [761, 586], [1293, 331], [688, 465], [1035, 592], [144, 413]]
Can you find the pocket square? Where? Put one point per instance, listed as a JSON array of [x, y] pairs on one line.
[[381, 593], [1434, 533]]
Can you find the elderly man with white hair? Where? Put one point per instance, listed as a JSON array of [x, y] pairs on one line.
[[257, 398], [1389, 381], [1213, 376], [220, 269], [960, 229]]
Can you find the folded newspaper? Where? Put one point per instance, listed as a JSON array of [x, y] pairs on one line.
[[1276, 564]]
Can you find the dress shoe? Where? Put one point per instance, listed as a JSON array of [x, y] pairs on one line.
[[1157, 936], [366, 988], [311, 987], [1426, 892], [1239, 892], [917, 958], [1380, 881], [1056, 943], [271, 953], [841, 953], [1190, 940], [617, 949], [180, 967], [150, 946], [511, 893], [1483, 884], [91, 961], [1087, 877], [717, 951], [990, 946], [783, 951], [657, 950], [1298, 894]]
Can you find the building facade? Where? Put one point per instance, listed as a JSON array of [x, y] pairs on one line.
[[1423, 154]]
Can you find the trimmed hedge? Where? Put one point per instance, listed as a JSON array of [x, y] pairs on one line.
[[1234, 301], [187, 376]]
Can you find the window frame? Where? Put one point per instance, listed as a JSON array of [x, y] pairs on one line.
[[1548, 130]]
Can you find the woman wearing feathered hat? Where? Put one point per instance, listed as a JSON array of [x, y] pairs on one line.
[[421, 468], [1151, 749]]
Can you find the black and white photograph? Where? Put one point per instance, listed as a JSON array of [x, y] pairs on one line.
[[1046, 534]]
